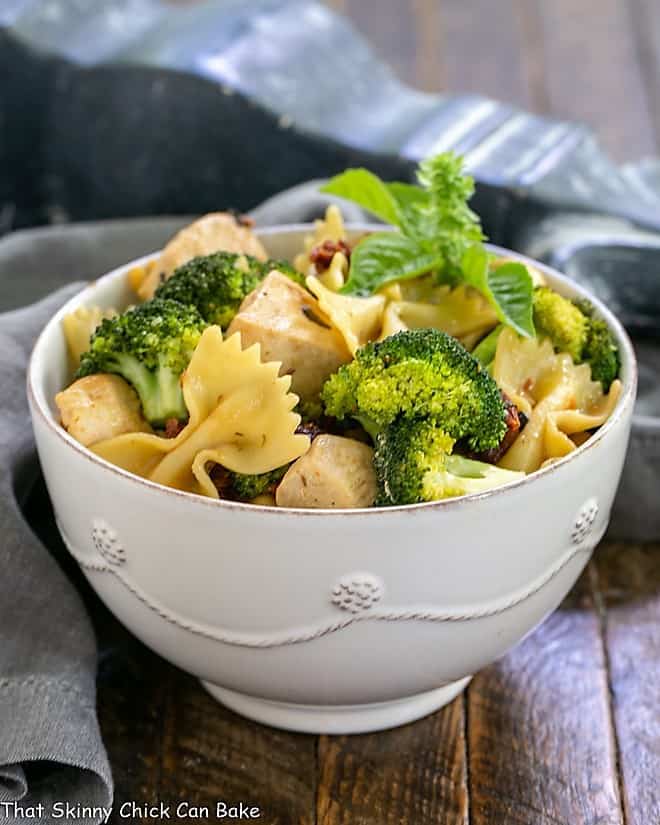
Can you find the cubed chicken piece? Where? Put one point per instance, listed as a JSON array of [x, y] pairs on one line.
[[286, 320], [215, 232], [98, 407], [335, 472]]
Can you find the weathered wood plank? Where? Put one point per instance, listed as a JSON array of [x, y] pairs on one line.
[[414, 775], [484, 49], [629, 581], [337, 5], [210, 754], [389, 26], [429, 70], [133, 689], [540, 744], [593, 73], [646, 24]]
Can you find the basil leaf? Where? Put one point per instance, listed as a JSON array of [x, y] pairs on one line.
[[407, 194], [508, 287], [385, 257], [367, 190], [411, 202]]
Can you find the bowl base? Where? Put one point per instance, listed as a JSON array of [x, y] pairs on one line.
[[335, 719]]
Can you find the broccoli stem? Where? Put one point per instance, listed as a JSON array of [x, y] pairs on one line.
[[485, 350], [159, 390], [370, 427]]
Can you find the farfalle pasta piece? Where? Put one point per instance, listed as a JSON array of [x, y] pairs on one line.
[[518, 366], [560, 400], [462, 312], [392, 322], [241, 416], [566, 429], [79, 326], [330, 228], [335, 275], [138, 453], [358, 319], [424, 289], [245, 413]]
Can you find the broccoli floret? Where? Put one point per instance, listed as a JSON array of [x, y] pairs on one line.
[[572, 329], [150, 346], [601, 353], [419, 373], [404, 452], [414, 463], [309, 409], [558, 319], [248, 487], [217, 284]]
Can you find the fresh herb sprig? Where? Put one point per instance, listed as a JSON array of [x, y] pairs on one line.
[[438, 232]]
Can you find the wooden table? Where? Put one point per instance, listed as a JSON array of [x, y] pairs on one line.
[[565, 730]]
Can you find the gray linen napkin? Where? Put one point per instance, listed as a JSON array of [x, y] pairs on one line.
[[50, 745]]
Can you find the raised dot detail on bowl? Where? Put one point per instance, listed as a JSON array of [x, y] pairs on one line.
[[106, 542], [356, 592], [584, 521]]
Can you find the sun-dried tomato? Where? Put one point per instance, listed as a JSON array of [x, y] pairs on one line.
[[321, 256]]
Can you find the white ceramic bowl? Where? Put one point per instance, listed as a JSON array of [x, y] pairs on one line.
[[326, 621]]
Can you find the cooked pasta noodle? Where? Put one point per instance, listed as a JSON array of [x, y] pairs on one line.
[[559, 397], [459, 312], [358, 319], [519, 363], [392, 322], [335, 275], [79, 327], [330, 228], [240, 416]]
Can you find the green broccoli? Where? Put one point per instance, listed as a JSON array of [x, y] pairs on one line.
[[216, 284], [248, 487], [419, 373], [558, 319], [572, 328], [309, 409], [601, 353], [150, 346], [413, 463], [485, 350]]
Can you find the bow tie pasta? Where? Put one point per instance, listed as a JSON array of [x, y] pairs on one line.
[[358, 319], [559, 398], [461, 312], [329, 231], [240, 416]]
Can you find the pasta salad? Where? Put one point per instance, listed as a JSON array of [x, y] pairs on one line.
[[389, 368]]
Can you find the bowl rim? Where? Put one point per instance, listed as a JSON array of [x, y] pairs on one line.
[[628, 360]]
